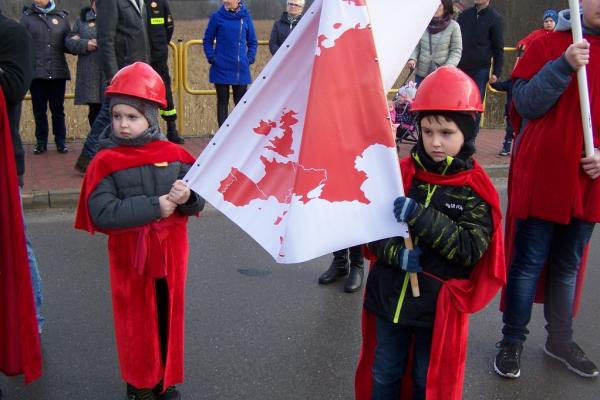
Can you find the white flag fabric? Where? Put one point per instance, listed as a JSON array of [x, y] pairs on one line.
[[306, 163]]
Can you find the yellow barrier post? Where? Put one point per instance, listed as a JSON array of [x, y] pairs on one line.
[[179, 67]]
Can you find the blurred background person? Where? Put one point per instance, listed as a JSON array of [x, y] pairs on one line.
[[160, 32], [48, 27], [232, 54], [549, 21], [82, 41], [122, 39], [441, 44], [284, 25], [482, 31]]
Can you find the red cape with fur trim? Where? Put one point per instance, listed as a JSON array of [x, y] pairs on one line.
[[137, 257], [19, 338], [545, 179], [457, 298]]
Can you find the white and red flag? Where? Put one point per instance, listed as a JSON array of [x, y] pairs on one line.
[[306, 163]]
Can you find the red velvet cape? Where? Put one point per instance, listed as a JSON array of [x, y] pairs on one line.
[[545, 178], [19, 338], [527, 40], [138, 256], [457, 297]]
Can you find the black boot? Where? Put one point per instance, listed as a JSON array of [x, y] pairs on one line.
[[172, 133], [338, 268], [134, 393], [355, 278], [82, 163]]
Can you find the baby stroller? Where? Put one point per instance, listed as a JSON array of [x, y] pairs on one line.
[[406, 132]]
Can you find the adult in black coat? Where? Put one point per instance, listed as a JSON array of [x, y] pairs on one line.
[[16, 72], [82, 41], [482, 30], [122, 38], [284, 25], [160, 32], [48, 27]]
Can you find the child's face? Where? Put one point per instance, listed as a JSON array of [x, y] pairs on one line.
[[128, 122], [441, 137], [549, 24]]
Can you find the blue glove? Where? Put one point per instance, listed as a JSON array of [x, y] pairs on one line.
[[408, 260], [404, 208]]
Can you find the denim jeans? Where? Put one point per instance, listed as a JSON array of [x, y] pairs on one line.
[[51, 92], [481, 77], [391, 353], [537, 241], [36, 280], [103, 119]]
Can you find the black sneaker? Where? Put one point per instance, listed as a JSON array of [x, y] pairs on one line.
[[62, 149], [508, 361], [504, 153], [573, 357]]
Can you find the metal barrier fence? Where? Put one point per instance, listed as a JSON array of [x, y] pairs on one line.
[[180, 84]]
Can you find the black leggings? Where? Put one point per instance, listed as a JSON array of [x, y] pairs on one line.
[[223, 99]]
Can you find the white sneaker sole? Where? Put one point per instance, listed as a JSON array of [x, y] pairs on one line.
[[578, 372], [506, 374]]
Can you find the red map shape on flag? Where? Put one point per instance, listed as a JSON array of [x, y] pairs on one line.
[[333, 146], [329, 148], [283, 145]]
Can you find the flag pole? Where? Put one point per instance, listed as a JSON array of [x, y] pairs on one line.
[[414, 280], [584, 97]]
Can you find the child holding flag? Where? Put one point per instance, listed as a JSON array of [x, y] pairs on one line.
[[133, 193], [453, 212]]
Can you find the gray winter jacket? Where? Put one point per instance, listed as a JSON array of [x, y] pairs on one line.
[[129, 197], [89, 73], [48, 32], [122, 34], [442, 48]]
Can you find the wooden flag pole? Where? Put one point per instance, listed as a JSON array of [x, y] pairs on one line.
[[584, 96], [414, 280]]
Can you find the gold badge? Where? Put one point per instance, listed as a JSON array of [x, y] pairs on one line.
[[54, 21], [161, 164], [154, 4], [92, 24]]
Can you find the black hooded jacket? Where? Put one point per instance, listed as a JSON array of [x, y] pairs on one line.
[[281, 29]]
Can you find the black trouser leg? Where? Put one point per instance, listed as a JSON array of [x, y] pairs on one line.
[[162, 308], [39, 104], [57, 108], [168, 113], [222, 102], [238, 92], [93, 110]]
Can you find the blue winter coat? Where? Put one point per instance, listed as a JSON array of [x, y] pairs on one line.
[[235, 50]]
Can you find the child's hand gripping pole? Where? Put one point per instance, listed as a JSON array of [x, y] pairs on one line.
[[414, 280]]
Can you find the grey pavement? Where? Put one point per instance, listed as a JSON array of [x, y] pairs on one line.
[[256, 330]]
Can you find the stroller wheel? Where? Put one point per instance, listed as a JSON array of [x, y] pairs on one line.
[[406, 135]]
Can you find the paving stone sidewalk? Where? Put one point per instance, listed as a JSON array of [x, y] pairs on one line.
[[51, 180]]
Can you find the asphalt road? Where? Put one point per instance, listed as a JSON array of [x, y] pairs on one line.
[[255, 329]]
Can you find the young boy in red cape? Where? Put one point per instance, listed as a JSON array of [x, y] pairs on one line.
[[549, 21], [133, 193], [453, 212], [553, 192]]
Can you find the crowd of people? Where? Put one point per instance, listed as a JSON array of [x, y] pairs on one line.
[[450, 205]]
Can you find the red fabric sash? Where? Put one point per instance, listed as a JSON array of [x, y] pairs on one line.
[[457, 297], [19, 338]]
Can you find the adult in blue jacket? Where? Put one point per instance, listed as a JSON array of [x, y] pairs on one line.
[[232, 54]]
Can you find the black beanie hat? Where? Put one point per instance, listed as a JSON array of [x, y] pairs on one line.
[[464, 121]]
